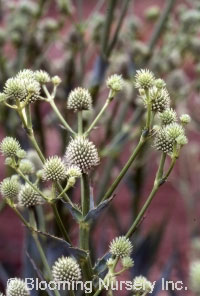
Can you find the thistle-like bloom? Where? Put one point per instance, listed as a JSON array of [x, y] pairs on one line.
[[121, 247], [66, 269], [160, 99], [181, 140], [17, 287], [79, 99], [54, 169], [162, 142], [127, 262], [82, 153], [168, 116], [142, 285], [115, 82], [25, 74], [56, 80], [42, 76], [9, 147], [10, 187], [174, 130], [15, 89], [73, 171], [144, 79], [26, 167], [185, 119], [194, 276], [28, 197]]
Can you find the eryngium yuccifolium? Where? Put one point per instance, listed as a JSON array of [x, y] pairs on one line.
[[17, 287], [115, 82], [26, 167], [162, 142], [159, 98], [73, 171], [185, 119], [144, 79], [82, 153], [56, 80], [28, 197], [127, 262], [141, 285], [54, 169], [121, 247], [194, 276], [160, 83], [66, 269], [9, 147], [174, 130], [181, 140], [79, 99], [15, 89], [25, 74], [10, 187], [168, 116], [42, 76]]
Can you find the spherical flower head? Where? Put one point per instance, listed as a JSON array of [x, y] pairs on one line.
[[10, 187], [127, 262], [141, 285], [82, 153], [28, 197], [160, 99], [56, 80], [121, 247], [162, 142], [54, 169], [168, 116], [16, 287], [42, 76], [26, 167], [115, 82], [185, 119], [66, 269], [194, 276], [174, 130], [144, 79], [160, 83], [9, 147], [15, 89], [73, 171], [79, 99]]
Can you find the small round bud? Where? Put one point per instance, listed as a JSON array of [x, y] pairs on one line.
[[115, 82], [42, 77], [73, 171], [185, 119], [54, 169], [28, 197], [159, 98], [66, 269], [181, 140], [127, 262], [160, 83], [79, 99], [21, 153], [82, 153], [141, 285], [26, 167], [168, 116], [194, 276], [10, 187], [144, 79], [174, 130], [121, 247], [16, 287], [56, 80], [9, 147]]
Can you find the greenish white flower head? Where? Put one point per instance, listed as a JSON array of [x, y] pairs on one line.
[[9, 147], [160, 83], [73, 171], [42, 76], [174, 130], [115, 82], [66, 269], [168, 116], [10, 187], [14, 89], [159, 98], [127, 262], [82, 153], [181, 140], [17, 287], [142, 285], [79, 99], [185, 119], [121, 247], [194, 276], [56, 80], [144, 79], [162, 142], [28, 197], [54, 169], [26, 167]]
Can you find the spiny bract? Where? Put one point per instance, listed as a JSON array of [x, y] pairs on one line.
[[17, 287], [66, 269], [121, 247]]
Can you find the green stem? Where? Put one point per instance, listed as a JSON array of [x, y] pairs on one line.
[[80, 122], [170, 169], [148, 121], [85, 189]]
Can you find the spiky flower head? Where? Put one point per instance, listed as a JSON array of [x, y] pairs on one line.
[[181, 140], [73, 171], [144, 79], [115, 82], [194, 276], [82, 153], [162, 141], [54, 169], [79, 99], [160, 83], [66, 269], [159, 98], [10, 187], [26, 167], [121, 247], [185, 119], [25, 74], [174, 130], [56, 80], [127, 262], [42, 76], [141, 285], [9, 147], [28, 197], [14, 89], [168, 116], [16, 287]]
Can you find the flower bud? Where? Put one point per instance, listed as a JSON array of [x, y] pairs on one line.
[[73, 171], [115, 82], [66, 269], [185, 119], [16, 287], [21, 153], [10, 187], [26, 167], [9, 147], [160, 83], [144, 79], [54, 169], [141, 285], [79, 99], [28, 197], [42, 76], [181, 140], [56, 80], [127, 262], [121, 247]]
